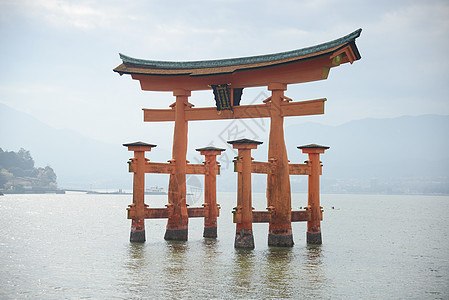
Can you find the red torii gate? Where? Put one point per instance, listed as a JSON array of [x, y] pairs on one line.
[[275, 71]]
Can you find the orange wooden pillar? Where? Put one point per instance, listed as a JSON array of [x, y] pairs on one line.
[[313, 225], [243, 212], [210, 190], [138, 205], [278, 181], [177, 225]]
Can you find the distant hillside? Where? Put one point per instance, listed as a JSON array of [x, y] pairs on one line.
[[397, 154], [408, 154], [397, 147], [19, 175], [78, 161]]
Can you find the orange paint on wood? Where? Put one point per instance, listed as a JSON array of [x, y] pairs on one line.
[[290, 73], [269, 168], [169, 168], [210, 193], [314, 224], [159, 168], [278, 181], [265, 216], [178, 222], [165, 213], [243, 212], [276, 73], [137, 209], [244, 202], [196, 169], [288, 109], [197, 212], [157, 213]]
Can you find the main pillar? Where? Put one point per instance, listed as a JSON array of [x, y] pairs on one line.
[[177, 225], [278, 181], [313, 225], [244, 211], [210, 190], [138, 161]]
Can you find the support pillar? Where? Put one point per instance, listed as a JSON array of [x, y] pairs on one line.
[[210, 190], [177, 225], [278, 182], [243, 212], [313, 225], [138, 162]]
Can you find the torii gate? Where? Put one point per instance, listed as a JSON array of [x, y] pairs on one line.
[[228, 77]]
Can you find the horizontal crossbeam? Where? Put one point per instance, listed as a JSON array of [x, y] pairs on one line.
[[288, 109], [164, 213], [265, 216], [169, 168], [269, 168], [162, 168]]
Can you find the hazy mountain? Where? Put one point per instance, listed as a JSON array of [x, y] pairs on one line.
[[405, 154], [366, 154], [78, 161], [399, 147]]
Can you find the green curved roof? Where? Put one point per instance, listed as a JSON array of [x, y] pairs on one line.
[[243, 60]]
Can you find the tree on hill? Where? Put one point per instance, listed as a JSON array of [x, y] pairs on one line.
[[17, 172]]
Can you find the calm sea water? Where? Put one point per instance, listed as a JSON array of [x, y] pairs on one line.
[[77, 246]]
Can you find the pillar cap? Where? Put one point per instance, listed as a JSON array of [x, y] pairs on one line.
[[314, 146], [244, 144], [244, 141], [139, 146], [210, 149]]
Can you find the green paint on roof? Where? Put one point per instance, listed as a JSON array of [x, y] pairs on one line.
[[244, 141], [137, 144], [313, 146], [210, 149], [241, 60]]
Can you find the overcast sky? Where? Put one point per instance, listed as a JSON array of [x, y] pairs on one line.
[[57, 57]]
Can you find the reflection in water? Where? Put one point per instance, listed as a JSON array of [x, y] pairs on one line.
[[243, 272], [288, 274], [210, 246], [135, 253], [174, 270], [279, 272], [203, 268], [33, 265], [136, 266], [209, 267], [314, 270], [314, 260], [178, 269], [209, 257]]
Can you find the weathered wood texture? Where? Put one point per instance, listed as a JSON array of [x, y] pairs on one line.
[[288, 109]]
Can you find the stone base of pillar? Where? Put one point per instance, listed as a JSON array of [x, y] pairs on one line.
[[280, 240], [137, 231], [210, 232], [137, 236], [244, 239], [314, 238], [176, 234]]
